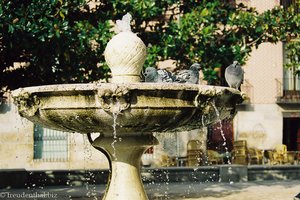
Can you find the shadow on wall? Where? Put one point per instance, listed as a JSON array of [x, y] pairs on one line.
[[254, 139]]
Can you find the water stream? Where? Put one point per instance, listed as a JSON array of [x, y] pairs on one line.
[[219, 121], [204, 130], [115, 137]]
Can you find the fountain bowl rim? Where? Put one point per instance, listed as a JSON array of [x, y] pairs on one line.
[[130, 86]]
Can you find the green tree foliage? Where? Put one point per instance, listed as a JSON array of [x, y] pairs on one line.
[[215, 34], [63, 41]]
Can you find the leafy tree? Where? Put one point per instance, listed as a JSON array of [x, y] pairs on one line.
[[62, 41], [215, 34]]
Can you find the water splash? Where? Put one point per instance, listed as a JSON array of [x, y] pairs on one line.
[[115, 137], [166, 192], [91, 185], [206, 158], [219, 121], [90, 181]]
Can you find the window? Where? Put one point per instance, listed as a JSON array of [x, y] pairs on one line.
[[291, 78], [50, 145], [287, 3]]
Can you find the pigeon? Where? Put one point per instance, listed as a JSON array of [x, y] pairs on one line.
[[189, 75], [151, 74], [234, 75]]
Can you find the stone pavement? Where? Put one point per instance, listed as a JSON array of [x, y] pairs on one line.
[[258, 190], [265, 190]]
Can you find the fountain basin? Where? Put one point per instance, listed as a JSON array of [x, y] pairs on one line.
[[137, 108]]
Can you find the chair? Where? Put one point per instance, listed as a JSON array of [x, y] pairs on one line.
[[167, 161], [255, 156], [195, 155], [278, 155], [214, 157], [291, 157], [240, 152]]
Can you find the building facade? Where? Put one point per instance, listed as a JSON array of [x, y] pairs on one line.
[[271, 116], [24, 145]]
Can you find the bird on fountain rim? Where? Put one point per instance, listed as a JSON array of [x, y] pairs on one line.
[[189, 75], [151, 74], [234, 75]]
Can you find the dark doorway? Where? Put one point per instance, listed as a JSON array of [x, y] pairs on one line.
[[291, 133]]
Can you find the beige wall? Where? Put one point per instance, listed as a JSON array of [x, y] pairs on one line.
[[261, 122], [265, 64], [81, 156], [261, 126], [261, 71], [262, 5], [15, 140], [16, 146]]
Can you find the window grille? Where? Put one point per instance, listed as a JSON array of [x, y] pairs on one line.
[[291, 80], [50, 145]]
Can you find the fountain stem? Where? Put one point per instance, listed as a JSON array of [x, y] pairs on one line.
[[125, 180]]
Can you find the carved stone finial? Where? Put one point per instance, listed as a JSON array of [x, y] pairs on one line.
[[125, 54]]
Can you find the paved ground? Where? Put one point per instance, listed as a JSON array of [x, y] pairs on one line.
[[264, 190]]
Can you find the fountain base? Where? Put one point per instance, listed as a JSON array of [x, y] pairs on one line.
[[125, 156]]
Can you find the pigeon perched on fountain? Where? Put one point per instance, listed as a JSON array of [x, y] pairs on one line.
[[234, 75], [151, 74], [189, 75]]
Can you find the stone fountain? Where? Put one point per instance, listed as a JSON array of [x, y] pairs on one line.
[[125, 112]]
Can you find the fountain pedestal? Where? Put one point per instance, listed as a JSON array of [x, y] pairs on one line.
[[125, 156]]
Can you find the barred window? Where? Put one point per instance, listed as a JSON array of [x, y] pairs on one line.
[[50, 145]]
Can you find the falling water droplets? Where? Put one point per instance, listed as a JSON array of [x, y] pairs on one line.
[[90, 183], [219, 121], [166, 193], [115, 137]]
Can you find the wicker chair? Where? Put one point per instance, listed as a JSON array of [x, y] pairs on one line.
[[278, 155], [214, 158], [255, 156], [195, 155], [240, 152]]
